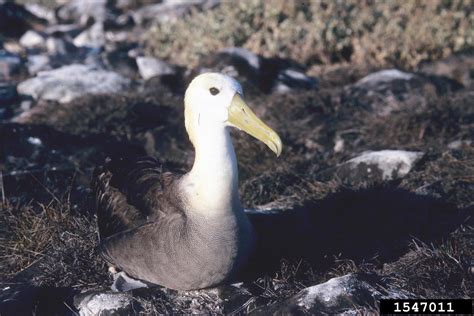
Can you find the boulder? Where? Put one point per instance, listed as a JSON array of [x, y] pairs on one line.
[[69, 82], [378, 166], [255, 71], [32, 39], [389, 90], [152, 67], [37, 63], [80, 11], [103, 303], [92, 37], [170, 9], [351, 294]]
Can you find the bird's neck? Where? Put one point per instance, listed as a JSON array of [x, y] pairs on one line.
[[212, 184]]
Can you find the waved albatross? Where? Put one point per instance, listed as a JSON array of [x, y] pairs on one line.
[[184, 231]]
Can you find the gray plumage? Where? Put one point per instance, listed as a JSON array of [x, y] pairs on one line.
[[146, 230]]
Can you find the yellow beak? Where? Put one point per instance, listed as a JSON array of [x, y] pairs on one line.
[[242, 117]]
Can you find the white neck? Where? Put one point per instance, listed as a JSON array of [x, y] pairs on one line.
[[212, 184]]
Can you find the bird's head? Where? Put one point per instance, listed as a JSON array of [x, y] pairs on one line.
[[217, 99]]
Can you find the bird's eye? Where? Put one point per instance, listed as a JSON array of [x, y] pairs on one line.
[[214, 91]]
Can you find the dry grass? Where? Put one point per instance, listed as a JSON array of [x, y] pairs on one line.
[[57, 245], [400, 33], [441, 271]]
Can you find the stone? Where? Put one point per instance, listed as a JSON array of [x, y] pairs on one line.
[[289, 79], [383, 165], [80, 11], [37, 63], [32, 39], [170, 9], [151, 67], [255, 71], [92, 37], [351, 294], [41, 12], [69, 82], [374, 79], [103, 303], [124, 283], [389, 90]]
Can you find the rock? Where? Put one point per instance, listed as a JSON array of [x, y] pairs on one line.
[[10, 64], [124, 283], [69, 82], [391, 90], [92, 37], [459, 143], [70, 30], [383, 165], [16, 20], [106, 303], [32, 39], [289, 79], [56, 46], [254, 71], [170, 9], [37, 63], [349, 295], [151, 67], [41, 12], [375, 79], [80, 11]]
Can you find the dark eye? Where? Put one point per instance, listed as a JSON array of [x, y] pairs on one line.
[[214, 91]]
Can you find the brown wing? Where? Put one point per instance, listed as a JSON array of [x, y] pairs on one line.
[[132, 192]]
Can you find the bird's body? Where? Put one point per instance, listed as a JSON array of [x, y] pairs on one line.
[[183, 231]]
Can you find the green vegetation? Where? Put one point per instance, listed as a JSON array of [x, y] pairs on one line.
[[399, 33]]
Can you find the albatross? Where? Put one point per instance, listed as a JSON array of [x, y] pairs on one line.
[[184, 231]]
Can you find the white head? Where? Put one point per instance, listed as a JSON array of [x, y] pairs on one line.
[[214, 99]]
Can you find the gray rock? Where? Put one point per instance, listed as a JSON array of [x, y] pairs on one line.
[[106, 303], [124, 283], [32, 39], [41, 12], [151, 67], [92, 37], [351, 294], [69, 82], [265, 74], [289, 79], [383, 165], [390, 90], [37, 63], [170, 9], [81, 10], [251, 59], [10, 64], [383, 76]]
